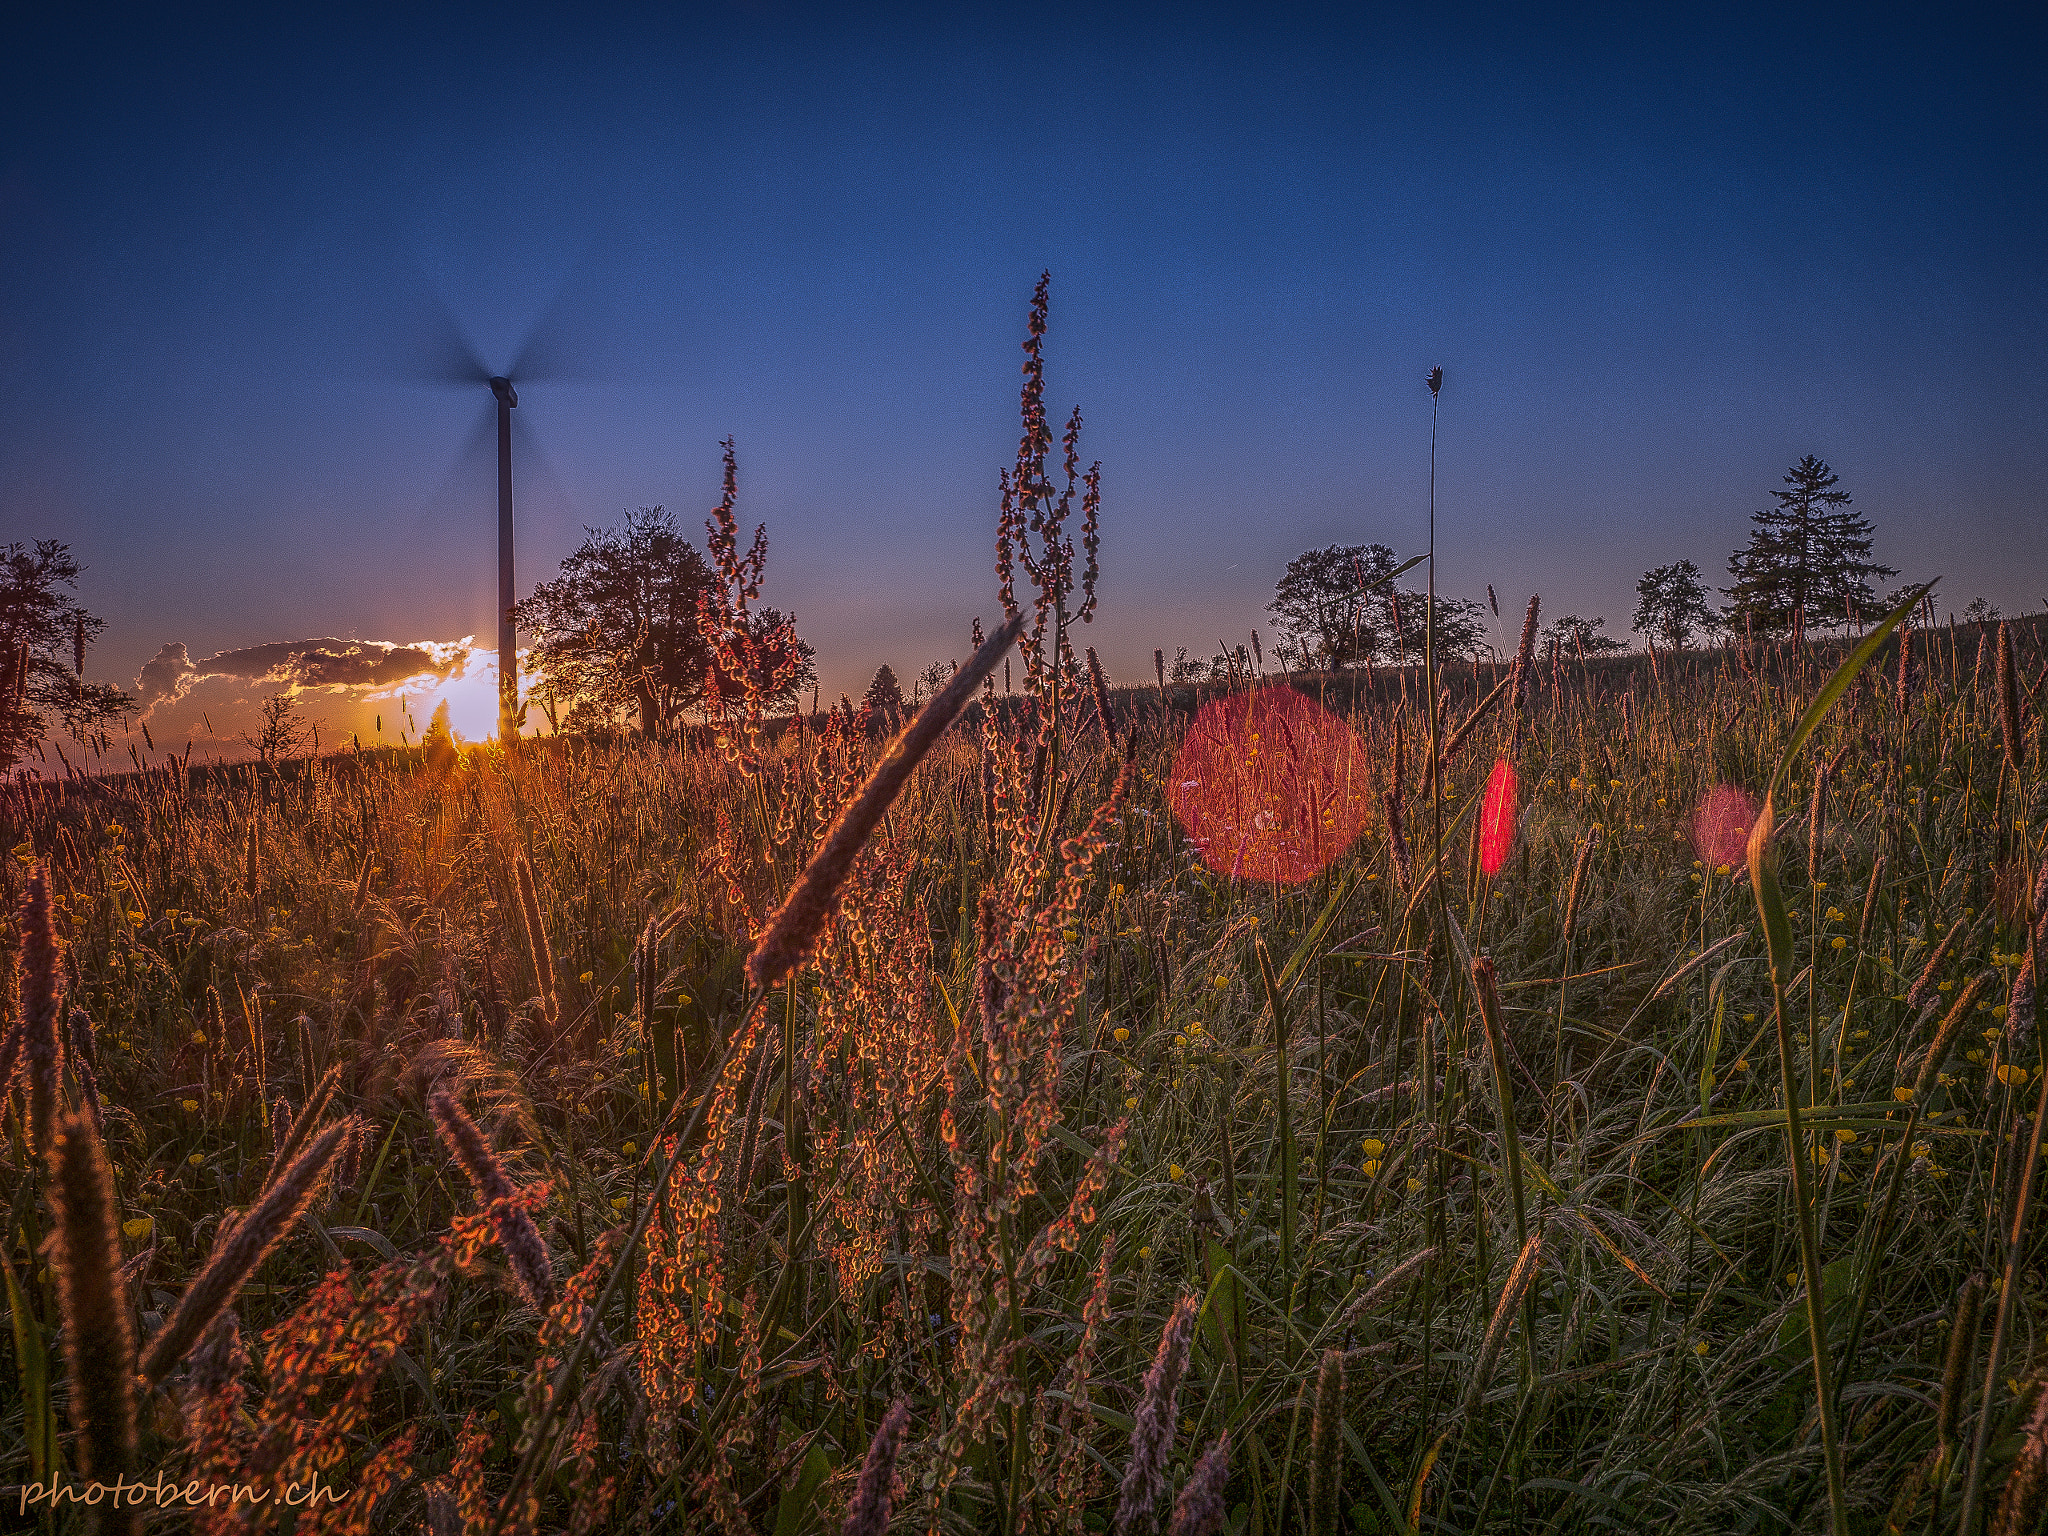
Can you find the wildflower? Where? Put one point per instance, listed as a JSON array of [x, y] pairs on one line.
[[2009, 1074], [1373, 1146], [196, 1159], [1838, 942], [139, 1228], [620, 1202], [1175, 1172], [190, 1106], [1130, 1103], [1120, 1034], [1844, 1135], [1903, 1095], [1370, 1167], [1700, 1348], [1414, 1185]]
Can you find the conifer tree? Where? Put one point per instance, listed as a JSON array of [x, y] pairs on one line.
[[1807, 562]]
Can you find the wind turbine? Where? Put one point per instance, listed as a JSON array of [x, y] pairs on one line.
[[452, 360], [508, 591]]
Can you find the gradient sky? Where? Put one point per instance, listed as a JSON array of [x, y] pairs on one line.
[[1658, 259]]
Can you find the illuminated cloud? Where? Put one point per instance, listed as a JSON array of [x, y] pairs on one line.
[[339, 666]]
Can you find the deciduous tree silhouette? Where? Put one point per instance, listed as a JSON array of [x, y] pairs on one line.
[[43, 640]]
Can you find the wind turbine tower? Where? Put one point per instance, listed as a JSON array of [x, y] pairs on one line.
[[508, 634]]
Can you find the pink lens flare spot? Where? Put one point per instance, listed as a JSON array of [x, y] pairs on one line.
[[1720, 826], [1497, 818], [1269, 785]]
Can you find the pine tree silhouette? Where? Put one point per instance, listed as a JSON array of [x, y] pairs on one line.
[[1807, 562]]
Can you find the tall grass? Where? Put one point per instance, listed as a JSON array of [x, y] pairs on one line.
[[1486, 1214]]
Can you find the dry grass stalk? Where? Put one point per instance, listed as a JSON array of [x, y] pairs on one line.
[[1386, 1285], [1511, 1293], [99, 1339], [868, 1514], [237, 1253], [1951, 1026], [2019, 1508], [535, 932], [1956, 1372], [1152, 1434], [1326, 1454], [1916, 994], [302, 1124], [1100, 689], [42, 995], [797, 925], [1200, 1509], [2009, 702], [517, 1234]]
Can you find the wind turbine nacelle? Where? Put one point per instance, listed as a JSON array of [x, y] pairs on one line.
[[507, 395]]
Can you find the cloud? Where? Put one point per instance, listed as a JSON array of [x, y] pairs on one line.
[[339, 666]]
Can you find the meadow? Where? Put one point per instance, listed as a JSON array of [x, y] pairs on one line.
[[451, 1153]]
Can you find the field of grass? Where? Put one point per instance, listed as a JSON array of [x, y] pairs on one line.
[[1512, 1245]]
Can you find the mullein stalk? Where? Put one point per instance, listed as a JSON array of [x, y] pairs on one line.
[[99, 1337]]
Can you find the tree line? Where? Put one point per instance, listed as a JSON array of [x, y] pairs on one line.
[[1807, 566]]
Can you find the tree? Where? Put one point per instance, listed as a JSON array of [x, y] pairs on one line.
[[1980, 611], [1330, 602], [936, 675], [1337, 606], [1460, 627], [1807, 563], [884, 694], [617, 631], [282, 733], [773, 661], [41, 630], [1673, 605], [1581, 637]]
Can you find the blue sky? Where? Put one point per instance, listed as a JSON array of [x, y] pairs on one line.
[[1659, 261]]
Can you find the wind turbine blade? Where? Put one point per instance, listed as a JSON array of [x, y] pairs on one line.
[[425, 344], [538, 494], [465, 498]]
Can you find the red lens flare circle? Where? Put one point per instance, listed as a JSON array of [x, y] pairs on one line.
[[1270, 786], [1497, 819], [1720, 826]]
